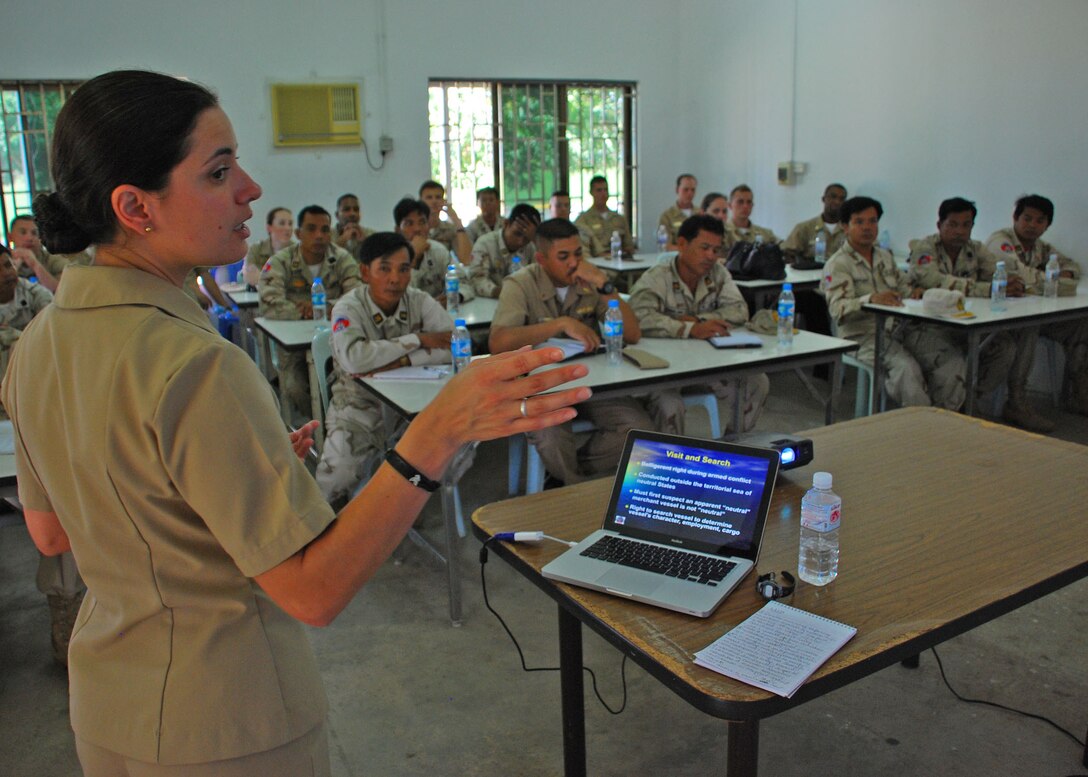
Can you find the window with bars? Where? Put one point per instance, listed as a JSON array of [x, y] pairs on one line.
[[28, 110], [532, 138]]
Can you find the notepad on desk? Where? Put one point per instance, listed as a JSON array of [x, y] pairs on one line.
[[736, 340], [776, 649], [569, 346], [414, 372]]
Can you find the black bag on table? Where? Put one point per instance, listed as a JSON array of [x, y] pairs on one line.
[[756, 262]]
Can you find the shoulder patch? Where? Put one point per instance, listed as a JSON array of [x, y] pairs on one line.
[[924, 259], [339, 324], [1007, 248], [267, 266], [378, 318]]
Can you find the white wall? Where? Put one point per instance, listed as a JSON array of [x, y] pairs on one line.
[[910, 103]]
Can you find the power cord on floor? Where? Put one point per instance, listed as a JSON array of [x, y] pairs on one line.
[[521, 655], [1071, 735]]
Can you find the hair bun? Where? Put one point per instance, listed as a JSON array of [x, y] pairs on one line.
[[60, 234]]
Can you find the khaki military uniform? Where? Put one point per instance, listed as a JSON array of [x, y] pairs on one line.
[[363, 339], [477, 228], [430, 275], [596, 229], [353, 247], [285, 282], [256, 258], [850, 283], [491, 263], [969, 273], [802, 240], [659, 298], [176, 488], [672, 218], [1073, 335], [735, 234], [445, 233], [29, 300], [529, 297]]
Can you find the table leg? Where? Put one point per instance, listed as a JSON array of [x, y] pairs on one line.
[[878, 364], [572, 694], [833, 394], [742, 759], [315, 401], [453, 576], [973, 345]]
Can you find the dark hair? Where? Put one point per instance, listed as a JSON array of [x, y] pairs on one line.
[[19, 217], [831, 186], [682, 176], [407, 207], [1037, 201], [312, 210], [710, 198], [693, 225], [560, 193], [551, 230], [272, 214], [596, 179], [4, 250], [741, 188], [383, 244], [158, 112], [524, 211], [857, 205], [486, 190], [343, 197], [955, 205], [430, 185]]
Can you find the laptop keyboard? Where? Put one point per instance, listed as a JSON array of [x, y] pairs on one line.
[[658, 558]]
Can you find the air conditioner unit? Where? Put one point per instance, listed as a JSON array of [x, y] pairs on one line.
[[316, 115]]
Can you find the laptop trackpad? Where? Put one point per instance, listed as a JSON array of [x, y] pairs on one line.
[[630, 581]]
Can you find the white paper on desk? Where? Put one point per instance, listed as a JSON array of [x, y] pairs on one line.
[[414, 372], [568, 346], [737, 340], [776, 649]]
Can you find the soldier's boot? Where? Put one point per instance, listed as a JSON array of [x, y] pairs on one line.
[[1018, 412], [62, 613]]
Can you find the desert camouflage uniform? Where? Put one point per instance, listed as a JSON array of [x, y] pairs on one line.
[[672, 218], [596, 231], [802, 240], [735, 234], [491, 262], [477, 228]]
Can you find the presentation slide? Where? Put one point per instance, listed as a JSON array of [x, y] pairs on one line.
[[694, 493]]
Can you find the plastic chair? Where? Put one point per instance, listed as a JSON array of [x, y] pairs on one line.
[[709, 402], [666, 256], [534, 472], [863, 394], [321, 349], [1054, 376]]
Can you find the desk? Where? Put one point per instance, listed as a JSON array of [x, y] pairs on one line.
[[908, 578], [626, 268], [246, 302], [1022, 312], [761, 291], [691, 362]]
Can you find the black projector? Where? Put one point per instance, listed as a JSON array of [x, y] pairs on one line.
[[792, 451]]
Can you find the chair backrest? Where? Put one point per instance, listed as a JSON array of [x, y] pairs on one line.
[[666, 256], [321, 349]]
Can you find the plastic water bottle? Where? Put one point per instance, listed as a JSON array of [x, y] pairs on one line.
[[515, 264], [785, 315], [319, 304], [617, 247], [460, 345], [820, 247], [662, 238], [998, 286], [821, 511], [613, 333], [1053, 271], [453, 290]]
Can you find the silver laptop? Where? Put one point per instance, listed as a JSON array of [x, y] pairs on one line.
[[684, 523]]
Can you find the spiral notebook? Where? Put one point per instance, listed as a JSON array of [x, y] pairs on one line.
[[776, 649]]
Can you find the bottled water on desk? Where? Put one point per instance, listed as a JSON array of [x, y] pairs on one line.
[[617, 247], [613, 333], [515, 264], [785, 315], [662, 238], [319, 303], [460, 345], [1053, 271], [453, 291], [820, 247], [998, 286], [821, 511]]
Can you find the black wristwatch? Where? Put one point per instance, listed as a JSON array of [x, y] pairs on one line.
[[608, 288]]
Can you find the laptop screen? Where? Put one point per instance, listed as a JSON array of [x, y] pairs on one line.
[[700, 494]]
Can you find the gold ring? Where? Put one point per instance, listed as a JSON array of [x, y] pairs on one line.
[[524, 413]]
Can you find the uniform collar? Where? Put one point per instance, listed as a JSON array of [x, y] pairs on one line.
[[377, 315]]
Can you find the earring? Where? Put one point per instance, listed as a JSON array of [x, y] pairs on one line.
[[147, 228]]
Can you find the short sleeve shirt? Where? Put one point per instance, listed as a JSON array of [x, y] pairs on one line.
[[285, 281], [528, 297], [660, 298]]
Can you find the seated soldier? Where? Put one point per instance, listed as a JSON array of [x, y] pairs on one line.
[[1031, 217], [281, 233], [559, 204], [20, 301], [694, 296], [801, 244], [562, 296], [30, 258], [451, 232], [489, 220], [739, 227], [493, 254], [861, 272], [951, 260], [284, 290], [430, 257], [383, 324], [350, 233], [684, 207], [597, 224]]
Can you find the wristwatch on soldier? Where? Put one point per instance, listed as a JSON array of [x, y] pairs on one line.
[[607, 288]]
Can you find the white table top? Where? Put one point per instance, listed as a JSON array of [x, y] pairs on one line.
[[799, 278], [239, 296], [637, 263], [688, 361], [1021, 310]]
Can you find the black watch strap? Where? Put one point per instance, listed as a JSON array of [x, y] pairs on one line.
[[607, 288], [410, 473]]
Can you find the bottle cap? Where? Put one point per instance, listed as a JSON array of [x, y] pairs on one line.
[[613, 303], [1001, 265], [451, 267], [821, 480], [787, 287], [317, 279], [459, 322]]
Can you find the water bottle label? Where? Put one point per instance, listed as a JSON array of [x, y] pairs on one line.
[[821, 518], [998, 288], [785, 310], [1052, 275], [453, 285], [613, 329], [462, 349], [317, 300]]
